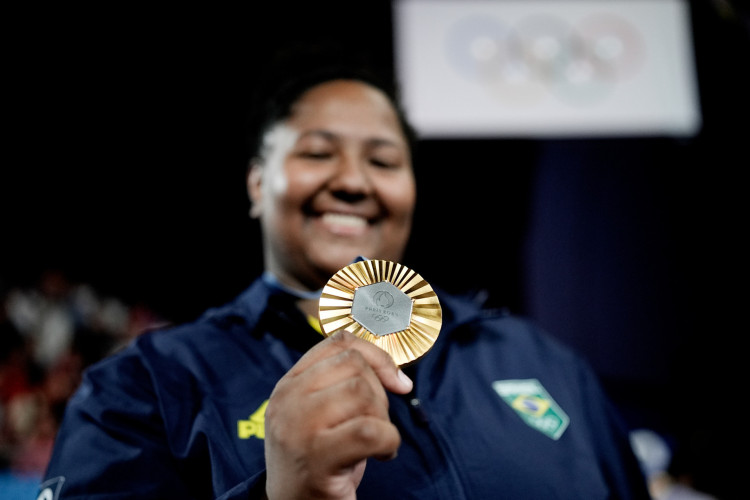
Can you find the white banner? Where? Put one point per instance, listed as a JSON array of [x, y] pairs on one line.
[[547, 68]]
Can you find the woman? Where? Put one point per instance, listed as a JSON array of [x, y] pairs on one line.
[[250, 401]]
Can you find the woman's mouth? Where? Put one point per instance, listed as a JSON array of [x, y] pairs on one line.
[[344, 224]]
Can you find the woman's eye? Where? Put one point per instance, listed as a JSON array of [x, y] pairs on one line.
[[383, 163], [315, 155]]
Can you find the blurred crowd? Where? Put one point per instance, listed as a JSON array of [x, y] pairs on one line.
[[50, 332]]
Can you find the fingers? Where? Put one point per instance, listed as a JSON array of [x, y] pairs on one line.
[[357, 438], [379, 361], [356, 394], [333, 382]]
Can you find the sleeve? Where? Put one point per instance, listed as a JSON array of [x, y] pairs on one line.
[[112, 443], [618, 461]]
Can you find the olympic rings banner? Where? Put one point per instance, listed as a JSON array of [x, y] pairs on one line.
[[532, 68]]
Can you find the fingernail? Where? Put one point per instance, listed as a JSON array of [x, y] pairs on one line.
[[405, 380]]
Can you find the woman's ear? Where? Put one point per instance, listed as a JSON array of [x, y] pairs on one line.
[[254, 191]]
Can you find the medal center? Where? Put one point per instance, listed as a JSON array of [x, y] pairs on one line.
[[381, 308]]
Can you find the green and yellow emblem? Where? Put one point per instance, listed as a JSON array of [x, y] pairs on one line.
[[534, 405]]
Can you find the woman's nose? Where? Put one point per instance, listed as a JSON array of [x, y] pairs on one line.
[[351, 176]]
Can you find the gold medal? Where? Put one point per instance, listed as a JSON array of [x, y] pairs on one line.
[[385, 303]]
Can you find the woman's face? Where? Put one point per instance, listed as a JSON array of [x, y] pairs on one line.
[[335, 182]]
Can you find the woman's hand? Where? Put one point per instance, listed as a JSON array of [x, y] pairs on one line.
[[327, 415]]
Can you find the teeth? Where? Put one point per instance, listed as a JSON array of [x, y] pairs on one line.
[[344, 220]]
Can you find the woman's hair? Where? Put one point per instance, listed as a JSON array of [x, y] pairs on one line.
[[296, 69]]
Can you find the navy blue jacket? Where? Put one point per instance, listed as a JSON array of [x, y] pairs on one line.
[[499, 410]]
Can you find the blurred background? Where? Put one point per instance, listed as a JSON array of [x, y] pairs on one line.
[[585, 156]]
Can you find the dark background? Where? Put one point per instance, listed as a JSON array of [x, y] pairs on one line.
[[124, 167]]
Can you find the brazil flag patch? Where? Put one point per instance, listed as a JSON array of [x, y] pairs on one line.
[[534, 405]]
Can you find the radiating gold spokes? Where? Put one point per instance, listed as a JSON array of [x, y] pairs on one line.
[[405, 345]]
